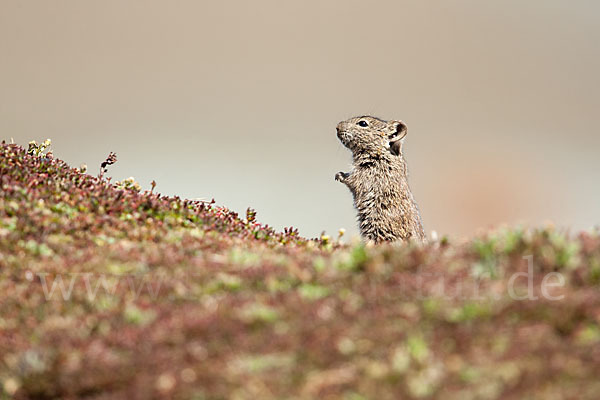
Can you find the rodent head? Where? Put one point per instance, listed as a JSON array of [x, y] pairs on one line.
[[370, 135]]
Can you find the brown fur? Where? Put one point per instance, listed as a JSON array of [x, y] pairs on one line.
[[379, 179]]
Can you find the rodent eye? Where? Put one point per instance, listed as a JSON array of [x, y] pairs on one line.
[[362, 123]]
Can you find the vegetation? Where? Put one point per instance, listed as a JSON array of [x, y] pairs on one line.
[[109, 291]]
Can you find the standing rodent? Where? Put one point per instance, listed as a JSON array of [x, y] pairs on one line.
[[379, 179]]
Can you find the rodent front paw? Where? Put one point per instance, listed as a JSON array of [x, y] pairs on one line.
[[341, 176]]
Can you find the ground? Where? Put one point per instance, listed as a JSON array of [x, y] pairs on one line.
[[111, 292]]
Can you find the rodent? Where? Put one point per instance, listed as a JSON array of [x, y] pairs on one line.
[[378, 180]]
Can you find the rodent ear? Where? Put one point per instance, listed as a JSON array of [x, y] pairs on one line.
[[396, 147], [399, 131]]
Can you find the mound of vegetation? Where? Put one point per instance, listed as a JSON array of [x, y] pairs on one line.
[[109, 291]]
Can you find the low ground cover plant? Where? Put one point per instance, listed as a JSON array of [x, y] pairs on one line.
[[111, 291]]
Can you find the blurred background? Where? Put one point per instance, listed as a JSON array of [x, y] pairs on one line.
[[238, 101]]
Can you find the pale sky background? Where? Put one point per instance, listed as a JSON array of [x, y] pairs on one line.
[[238, 100]]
